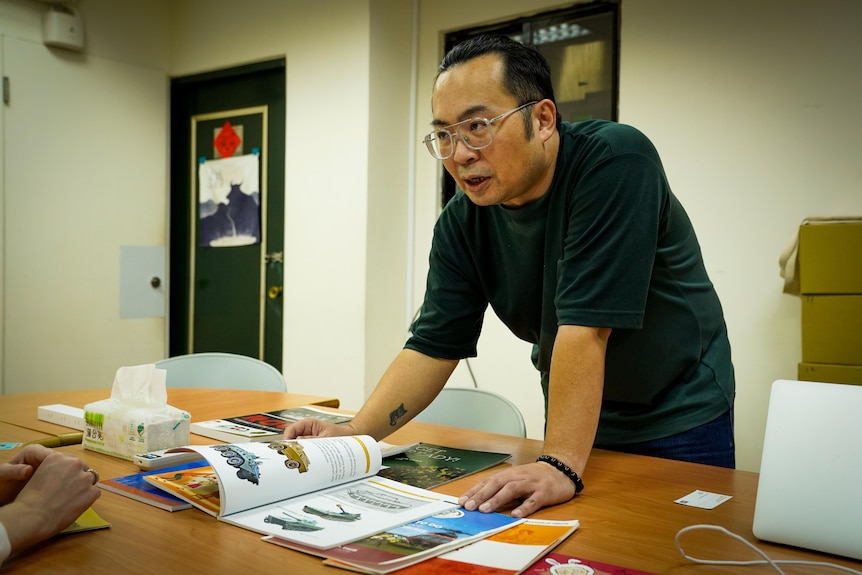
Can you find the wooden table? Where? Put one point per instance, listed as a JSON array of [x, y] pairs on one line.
[[14, 434], [627, 513]]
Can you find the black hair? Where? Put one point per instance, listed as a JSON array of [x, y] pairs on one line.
[[526, 73]]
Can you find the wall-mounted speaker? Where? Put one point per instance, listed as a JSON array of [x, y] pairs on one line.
[[62, 27]]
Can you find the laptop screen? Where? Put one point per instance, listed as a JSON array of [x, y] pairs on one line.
[[810, 488]]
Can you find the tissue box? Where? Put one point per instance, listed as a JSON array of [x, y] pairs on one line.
[[123, 430]]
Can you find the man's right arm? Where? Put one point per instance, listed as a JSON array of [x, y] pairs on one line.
[[411, 382]]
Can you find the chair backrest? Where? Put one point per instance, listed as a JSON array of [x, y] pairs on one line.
[[221, 370], [474, 408]]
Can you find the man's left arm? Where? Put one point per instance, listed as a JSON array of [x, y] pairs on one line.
[[574, 404]]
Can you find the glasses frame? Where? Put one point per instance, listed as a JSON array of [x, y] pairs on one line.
[[430, 137]]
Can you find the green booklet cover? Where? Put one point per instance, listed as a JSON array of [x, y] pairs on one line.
[[427, 465]]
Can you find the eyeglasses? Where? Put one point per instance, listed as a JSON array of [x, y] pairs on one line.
[[475, 133]]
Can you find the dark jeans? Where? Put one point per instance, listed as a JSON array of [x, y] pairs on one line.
[[711, 443]]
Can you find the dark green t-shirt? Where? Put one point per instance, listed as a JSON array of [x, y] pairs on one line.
[[608, 245]]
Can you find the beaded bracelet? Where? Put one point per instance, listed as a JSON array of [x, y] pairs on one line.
[[565, 469]]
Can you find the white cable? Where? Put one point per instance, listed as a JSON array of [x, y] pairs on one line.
[[765, 561]]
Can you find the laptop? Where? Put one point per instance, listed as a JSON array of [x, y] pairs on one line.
[[810, 489]]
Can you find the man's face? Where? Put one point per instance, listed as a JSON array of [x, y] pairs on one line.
[[513, 170]]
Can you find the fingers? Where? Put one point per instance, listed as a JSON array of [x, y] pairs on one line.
[[15, 471], [32, 454], [59, 490], [316, 428], [528, 487]]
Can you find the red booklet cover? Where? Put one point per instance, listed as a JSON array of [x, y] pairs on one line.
[[558, 564]]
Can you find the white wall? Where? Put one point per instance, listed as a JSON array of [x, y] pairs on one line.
[[753, 107], [392, 147], [85, 172]]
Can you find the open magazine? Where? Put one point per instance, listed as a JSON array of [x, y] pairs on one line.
[[320, 492]]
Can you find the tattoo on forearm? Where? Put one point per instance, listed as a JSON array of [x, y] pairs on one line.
[[396, 415]]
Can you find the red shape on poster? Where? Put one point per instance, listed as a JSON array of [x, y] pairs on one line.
[[227, 141]]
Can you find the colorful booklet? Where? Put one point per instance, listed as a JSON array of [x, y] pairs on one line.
[[136, 488], [320, 492], [558, 564], [508, 552], [87, 521], [267, 426], [411, 543], [427, 465]]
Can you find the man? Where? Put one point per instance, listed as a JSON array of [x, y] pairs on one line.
[[571, 233], [41, 493]]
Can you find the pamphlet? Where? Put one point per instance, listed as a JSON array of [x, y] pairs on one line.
[[266, 426], [411, 543]]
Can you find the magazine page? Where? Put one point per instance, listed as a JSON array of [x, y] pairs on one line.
[[262, 425], [510, 551], [248, 475], [558, 564], [413, 542], [196, 484], [343, 513], [428, 465]]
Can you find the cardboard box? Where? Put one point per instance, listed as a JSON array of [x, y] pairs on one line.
[[830, 373], [830, 258], [832, 329]]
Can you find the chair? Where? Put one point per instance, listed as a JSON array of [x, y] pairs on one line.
[[221, 370], [474, 408]]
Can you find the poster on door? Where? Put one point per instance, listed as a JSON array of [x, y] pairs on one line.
[[229, 204]]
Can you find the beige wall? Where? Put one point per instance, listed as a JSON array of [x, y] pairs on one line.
[[752, 106], [84, 152]]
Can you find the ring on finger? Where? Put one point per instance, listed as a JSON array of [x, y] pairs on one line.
[[95, 474]]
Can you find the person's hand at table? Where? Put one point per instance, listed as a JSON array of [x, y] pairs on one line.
[[42, 492], [15, 473], [534, 485], [310, 427]]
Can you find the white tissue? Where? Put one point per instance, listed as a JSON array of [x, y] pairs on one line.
[[141, 384]]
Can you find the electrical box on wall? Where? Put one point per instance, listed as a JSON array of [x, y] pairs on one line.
[[62, 27]]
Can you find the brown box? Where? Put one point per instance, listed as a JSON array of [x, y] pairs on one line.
[[830, 258], [832, 329], [830, 373]]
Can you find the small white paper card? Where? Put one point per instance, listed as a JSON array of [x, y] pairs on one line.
[[703, 499]]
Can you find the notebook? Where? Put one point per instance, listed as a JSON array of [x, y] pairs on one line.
[[809, 491]]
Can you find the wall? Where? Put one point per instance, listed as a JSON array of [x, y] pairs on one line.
[[392, 147], [752, 106], [85, 172], [339, 203], [757, 120]]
